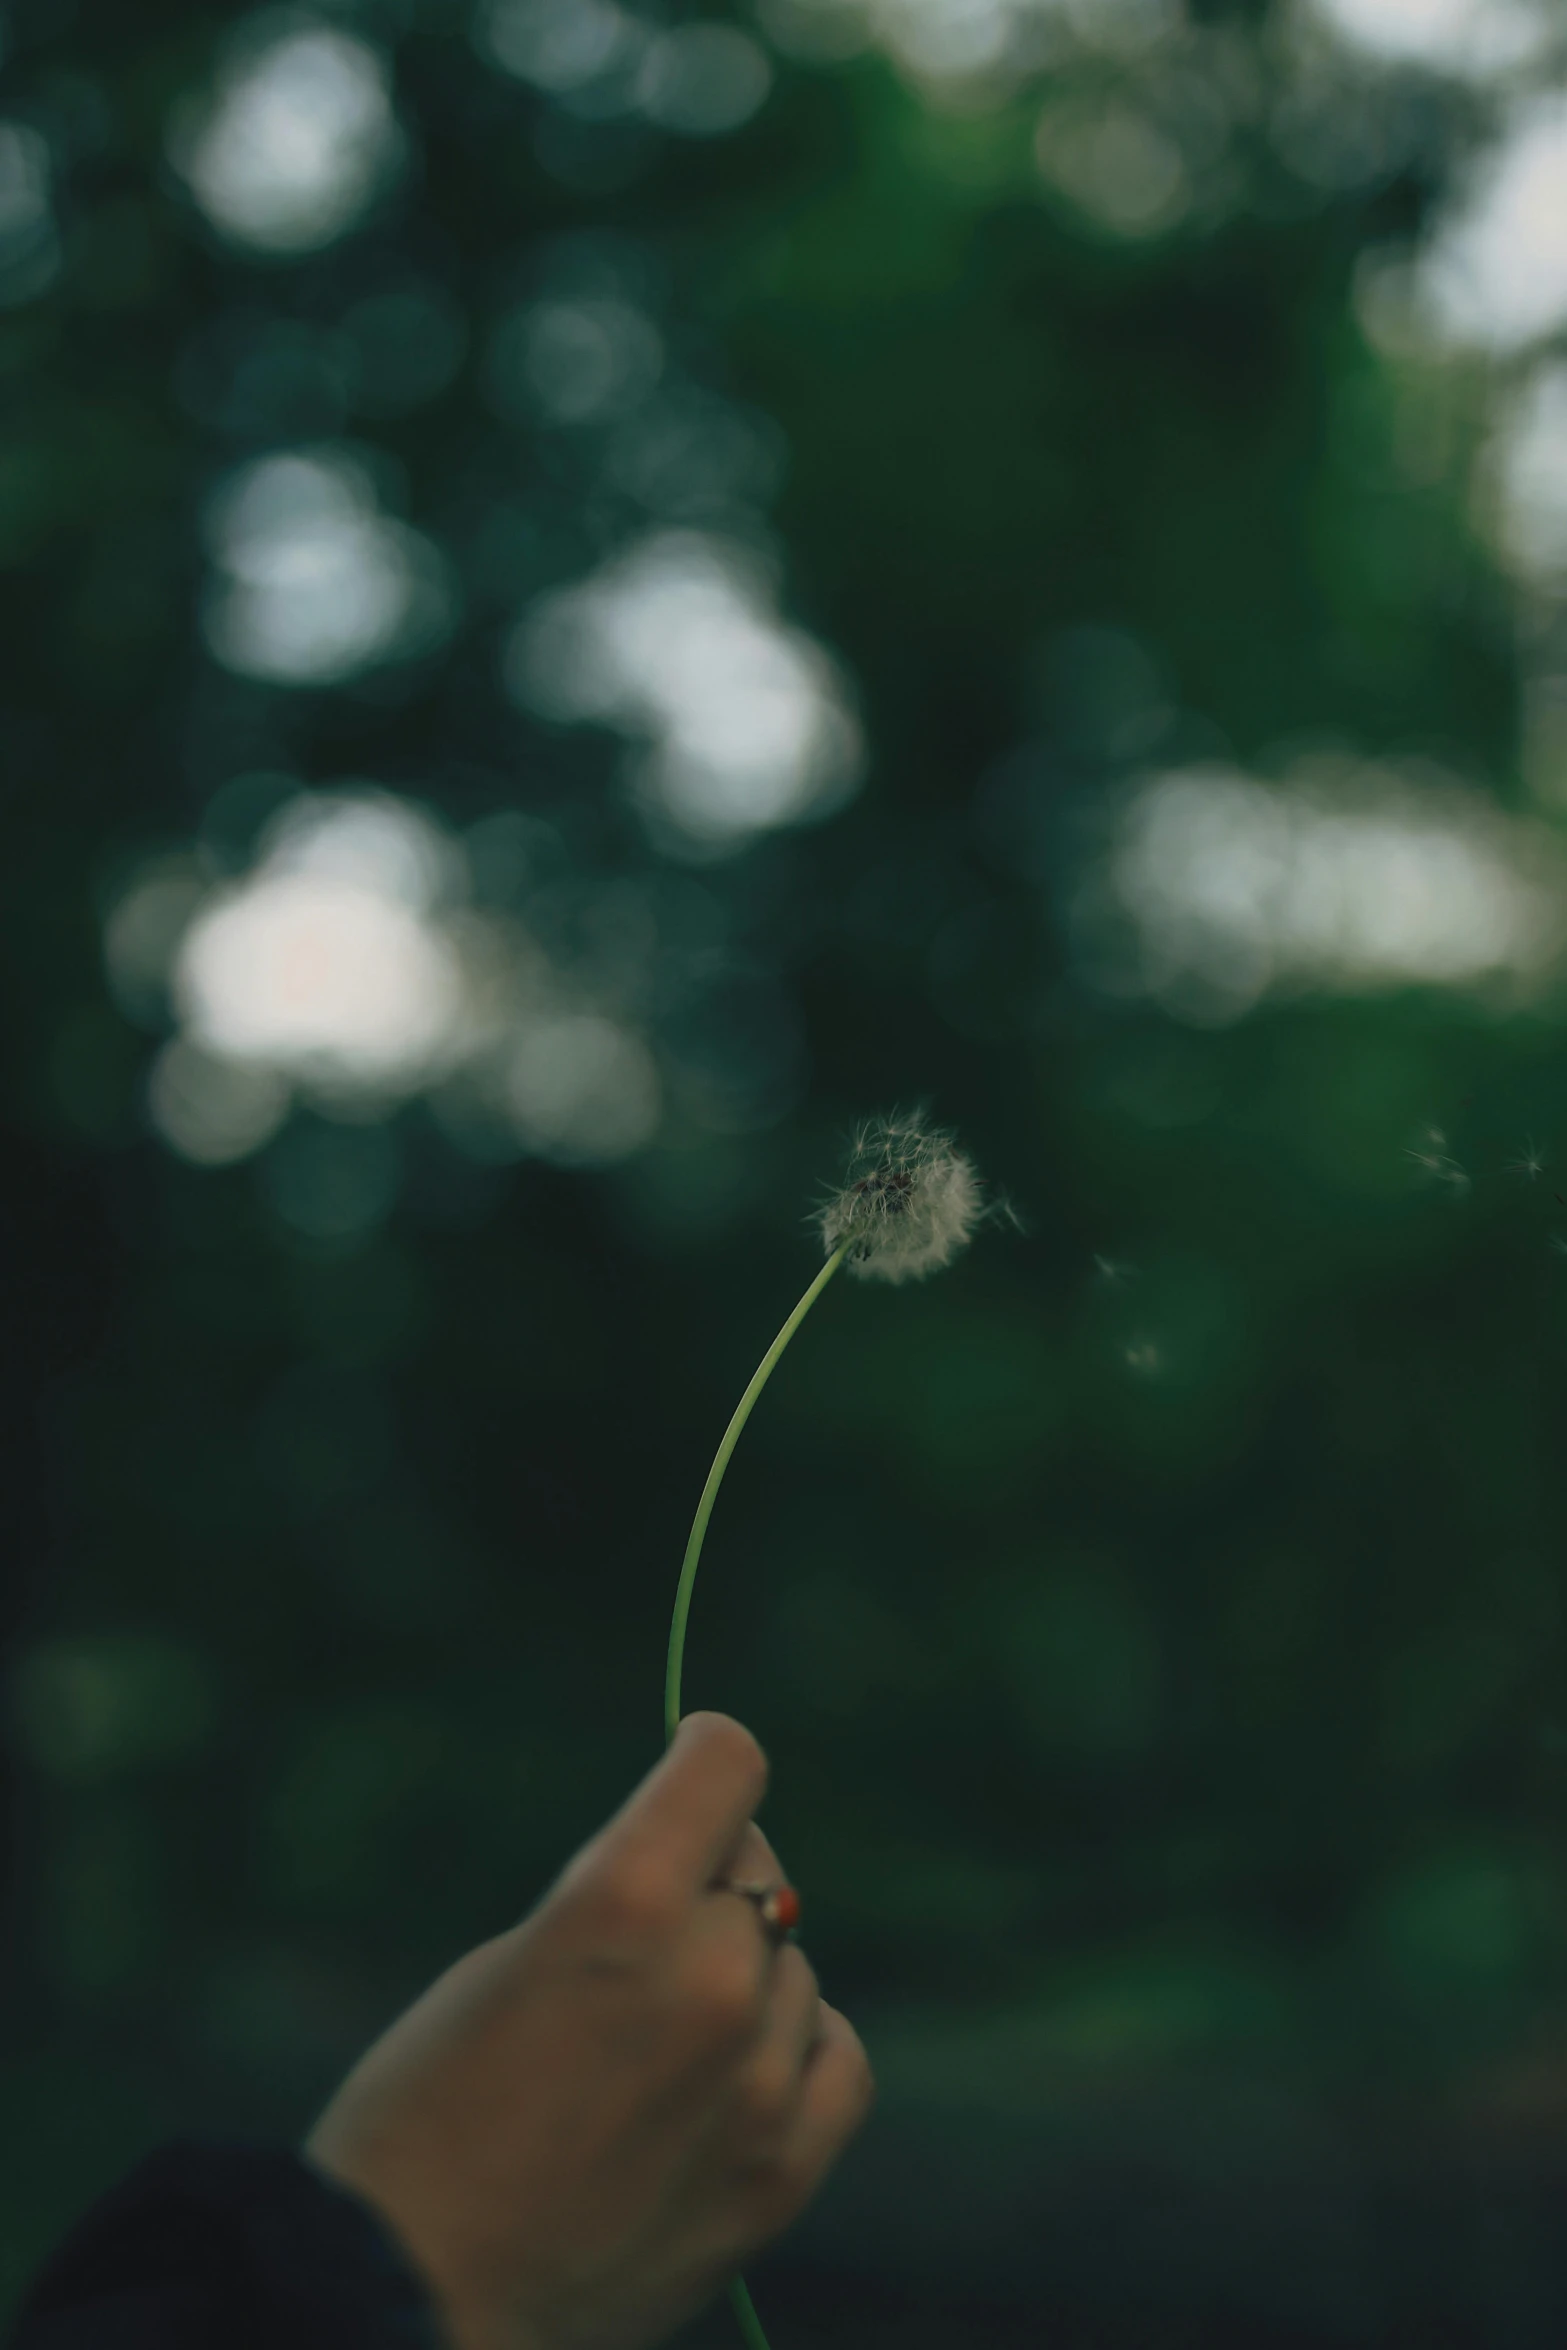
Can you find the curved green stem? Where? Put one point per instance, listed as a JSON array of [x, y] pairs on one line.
[[715, 1478], [750, 2323], [740, 2300]]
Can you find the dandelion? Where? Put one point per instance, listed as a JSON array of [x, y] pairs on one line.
[[1529, 1164], [908, 1202]]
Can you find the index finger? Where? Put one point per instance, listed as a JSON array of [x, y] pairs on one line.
[[677, 1828]]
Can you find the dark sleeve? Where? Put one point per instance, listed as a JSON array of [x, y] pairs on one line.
[[226, 2244]]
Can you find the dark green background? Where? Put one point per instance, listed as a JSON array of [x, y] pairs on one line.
[[1162, 1676]]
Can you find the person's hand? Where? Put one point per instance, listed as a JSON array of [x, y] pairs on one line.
[[588, 2124]]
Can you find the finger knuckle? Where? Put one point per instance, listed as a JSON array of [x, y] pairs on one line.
[[629, 1906]]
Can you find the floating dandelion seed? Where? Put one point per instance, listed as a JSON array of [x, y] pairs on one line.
[[1529, 1164], [1113, 1273], [1430, 1152], [1432, 1155], [908, 1202], [1145, 1357]]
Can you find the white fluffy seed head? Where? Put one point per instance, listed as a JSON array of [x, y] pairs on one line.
[[909, 1200]]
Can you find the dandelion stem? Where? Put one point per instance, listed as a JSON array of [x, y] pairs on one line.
[[704, 1510], [750, 2323], [740, 2300]]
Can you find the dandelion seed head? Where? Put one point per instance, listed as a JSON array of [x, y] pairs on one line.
[[908, 1202]]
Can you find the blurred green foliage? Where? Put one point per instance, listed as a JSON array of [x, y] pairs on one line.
[[1155, 1625]]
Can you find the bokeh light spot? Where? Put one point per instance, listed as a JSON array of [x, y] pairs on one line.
[[1472, 37], [322, 964], [316, 583], [29, 241], [358, 953], [1496, 273], [142, 934], [212, 1110], [573, 362], [1115, 164], [747, 722], [560, 45], [949, 37], [298, 140], [1234, 887], [582, 1090], [703, 79], [1530, 457], [688, 456], [983, 45]]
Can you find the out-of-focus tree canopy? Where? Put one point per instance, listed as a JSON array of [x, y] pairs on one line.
[[592, 592]]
